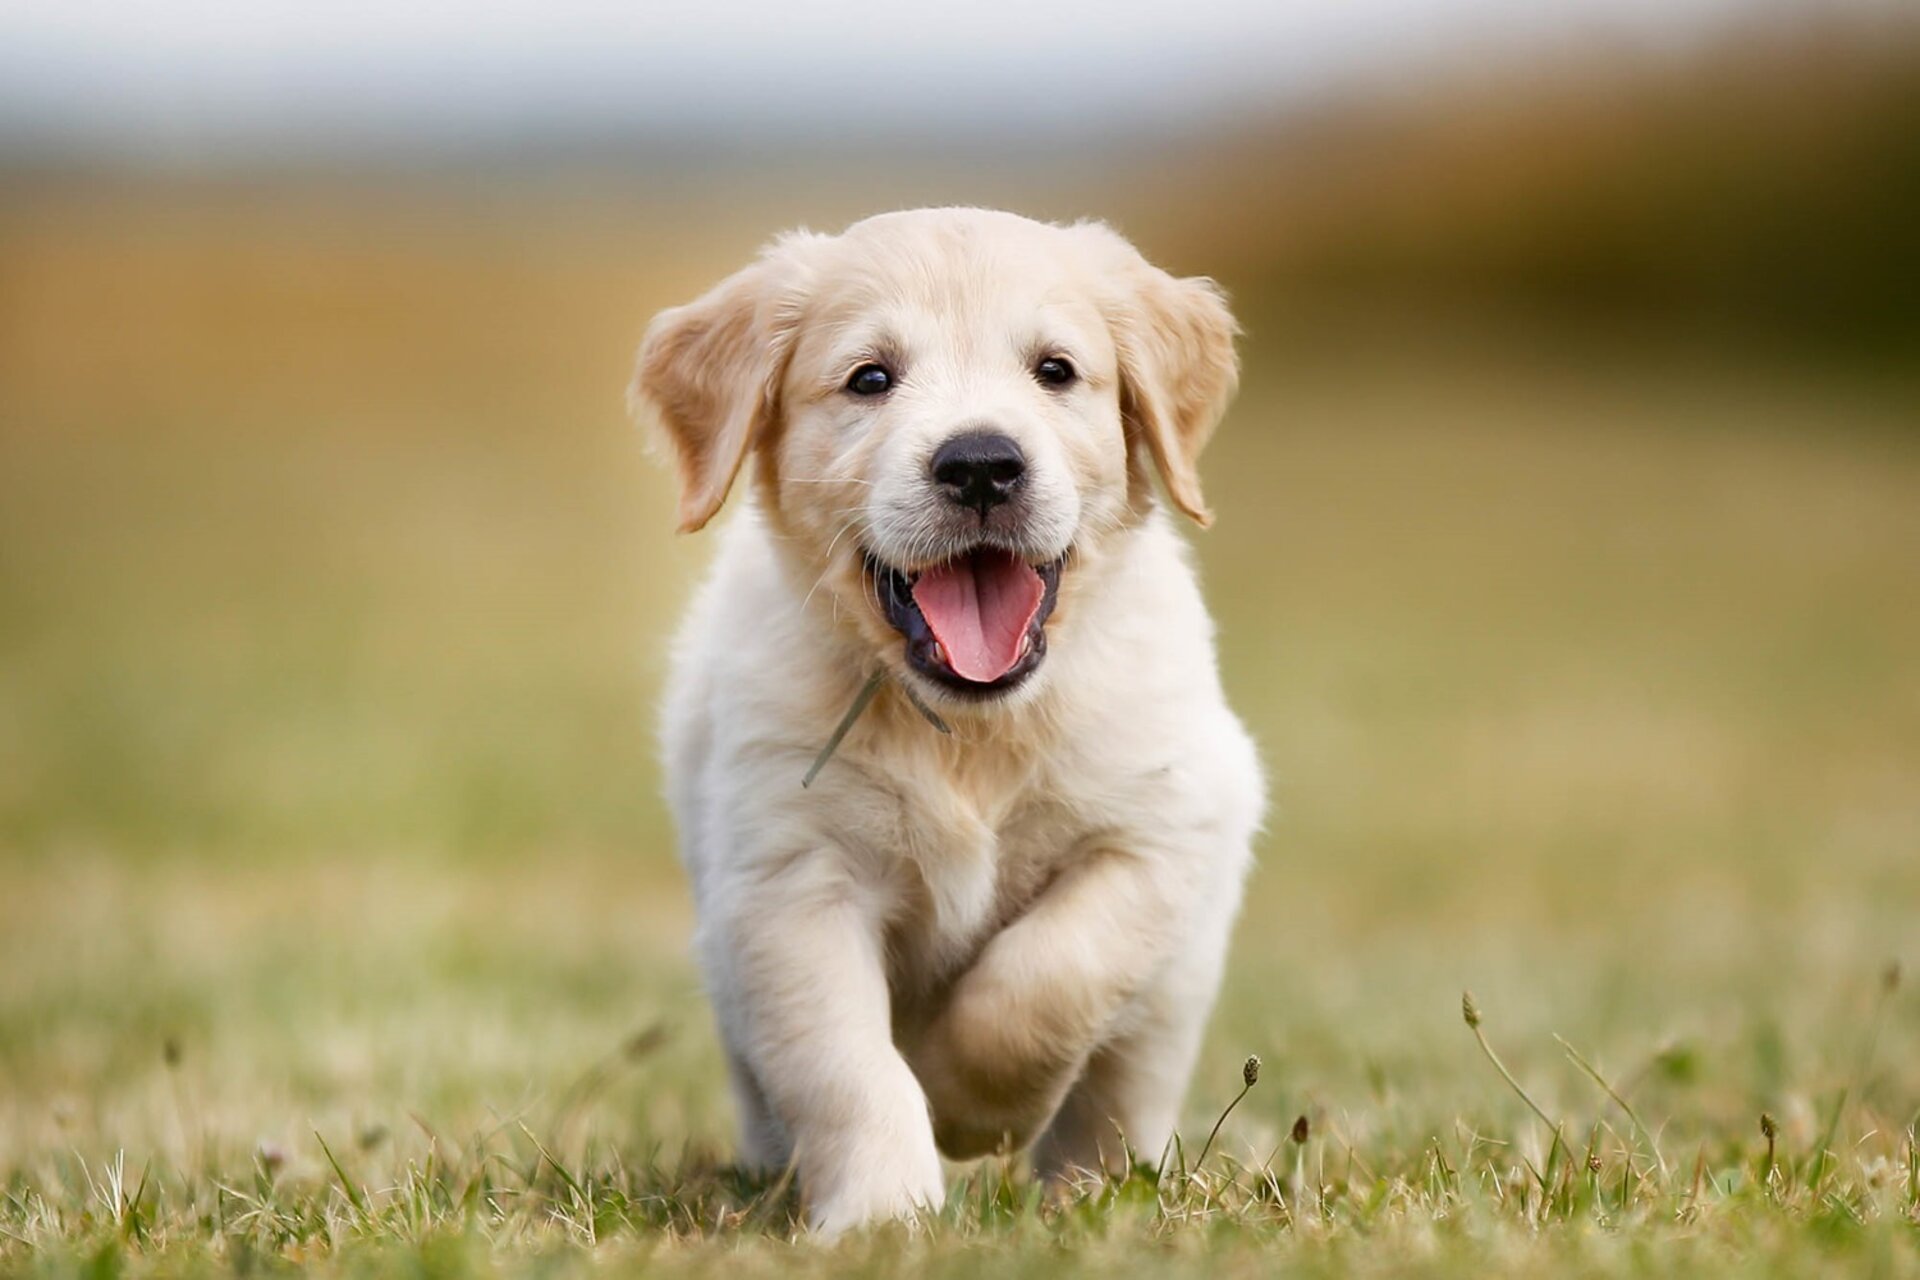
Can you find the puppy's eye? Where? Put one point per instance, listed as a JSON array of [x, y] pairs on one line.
[[1054, 371], [870, 380]]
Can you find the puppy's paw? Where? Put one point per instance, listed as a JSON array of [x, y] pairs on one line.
[[881, 1191]]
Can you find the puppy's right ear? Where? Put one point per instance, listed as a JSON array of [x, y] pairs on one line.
[[709, 375]]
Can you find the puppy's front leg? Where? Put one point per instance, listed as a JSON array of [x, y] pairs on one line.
[[1023, 1020], [804, 968]]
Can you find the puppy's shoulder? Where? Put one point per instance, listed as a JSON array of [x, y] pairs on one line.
[[1152, 732]]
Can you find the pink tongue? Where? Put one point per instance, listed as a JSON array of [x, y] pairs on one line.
[[979, 608]]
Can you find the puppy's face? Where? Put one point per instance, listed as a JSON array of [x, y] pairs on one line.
[[954, 413]]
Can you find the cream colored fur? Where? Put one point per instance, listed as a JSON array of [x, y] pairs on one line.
[[1007, 936]]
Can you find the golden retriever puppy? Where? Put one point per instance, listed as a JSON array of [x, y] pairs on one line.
[[997, 914]]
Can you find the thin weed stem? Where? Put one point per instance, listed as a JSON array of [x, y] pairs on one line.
[[1471, 1012], [1640, 1128], [1250, 1074]]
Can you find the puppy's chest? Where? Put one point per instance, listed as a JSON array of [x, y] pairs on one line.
[[967, 875]]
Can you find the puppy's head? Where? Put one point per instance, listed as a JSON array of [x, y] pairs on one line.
[[952, 411]]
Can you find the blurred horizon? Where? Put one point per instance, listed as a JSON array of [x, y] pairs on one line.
[[113, 82], [1681, 177]]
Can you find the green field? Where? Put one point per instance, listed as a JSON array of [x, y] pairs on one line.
[[339, 922]]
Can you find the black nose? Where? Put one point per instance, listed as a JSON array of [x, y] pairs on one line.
[[979, 470]]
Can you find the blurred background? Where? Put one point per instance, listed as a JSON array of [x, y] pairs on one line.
[[1566, 565]]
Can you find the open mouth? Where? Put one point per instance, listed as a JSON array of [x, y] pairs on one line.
[[976, 624]]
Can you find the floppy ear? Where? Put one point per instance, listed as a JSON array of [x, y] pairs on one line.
[[1178, 368], [709, 374]]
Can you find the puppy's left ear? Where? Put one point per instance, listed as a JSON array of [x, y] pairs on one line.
[[1178, 367], [709, 374]]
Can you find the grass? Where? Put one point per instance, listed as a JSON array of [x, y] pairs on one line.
[[340, 932], [545, 1186]]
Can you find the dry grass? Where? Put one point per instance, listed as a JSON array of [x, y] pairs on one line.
[[339, 927]]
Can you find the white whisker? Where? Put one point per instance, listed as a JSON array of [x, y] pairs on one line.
[[828, 567]]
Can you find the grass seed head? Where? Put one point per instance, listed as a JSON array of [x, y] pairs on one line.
[[1250, 1072], [1301, 1130], [1468, 1009]]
